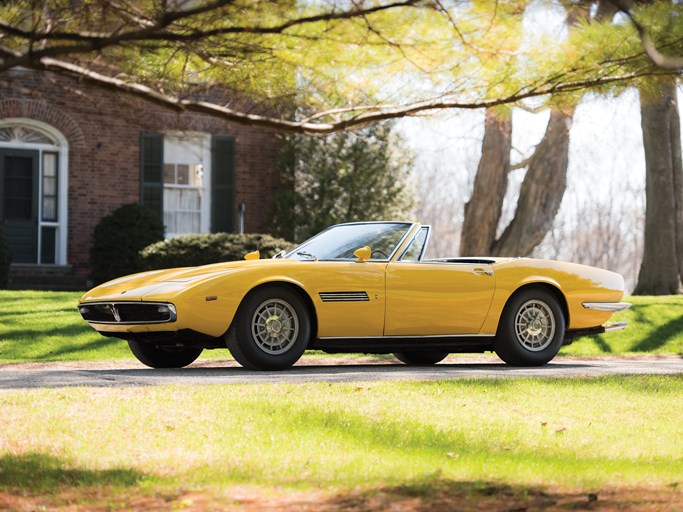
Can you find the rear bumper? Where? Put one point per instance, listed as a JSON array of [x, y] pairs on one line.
[[570, 336], [607, 306]]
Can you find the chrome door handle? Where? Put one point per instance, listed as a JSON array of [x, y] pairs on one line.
[[482, 272]]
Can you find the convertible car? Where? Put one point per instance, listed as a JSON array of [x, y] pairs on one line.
[[357, 287]]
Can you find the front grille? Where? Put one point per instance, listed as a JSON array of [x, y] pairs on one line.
[[128, 312]]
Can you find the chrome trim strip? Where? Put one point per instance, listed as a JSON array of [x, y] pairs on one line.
[[616, 326], [416, 337], [607, 306], [115, 313], [401, 242], [344, 296], [410, 243]]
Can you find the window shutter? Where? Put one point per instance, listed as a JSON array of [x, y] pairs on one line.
[[152, 171], [222, 183]]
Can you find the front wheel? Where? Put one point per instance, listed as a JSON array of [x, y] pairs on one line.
[[271, 329], [427, 358], [156, 356], [531, 329]]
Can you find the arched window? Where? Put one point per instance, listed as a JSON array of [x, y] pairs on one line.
[[33, 191]]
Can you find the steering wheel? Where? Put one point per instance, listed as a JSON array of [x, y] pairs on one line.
[[380, 252]]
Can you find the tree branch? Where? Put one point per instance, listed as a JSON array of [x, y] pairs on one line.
[[360, 115], [657, 58]]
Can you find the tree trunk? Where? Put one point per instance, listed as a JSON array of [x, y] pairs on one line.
[[482, 212], [662, 267], [542, 190], [539, 198]]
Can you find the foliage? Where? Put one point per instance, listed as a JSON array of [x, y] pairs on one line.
[[118, 239], [347, 63], [342, 177], [203, 249], [5, 259]]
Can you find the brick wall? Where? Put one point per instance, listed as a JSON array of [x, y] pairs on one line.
[[103, 131]]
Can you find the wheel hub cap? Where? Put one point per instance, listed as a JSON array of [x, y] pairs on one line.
[[535, 325], [273, 326]]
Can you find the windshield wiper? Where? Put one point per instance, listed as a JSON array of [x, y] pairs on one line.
[[280, 255], [305, 254]]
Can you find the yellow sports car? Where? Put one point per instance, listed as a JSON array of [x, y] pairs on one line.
[[357, 287]]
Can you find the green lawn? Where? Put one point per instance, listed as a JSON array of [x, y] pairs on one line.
[[582, 435], [467, 441], [45, 326], [655, 326]]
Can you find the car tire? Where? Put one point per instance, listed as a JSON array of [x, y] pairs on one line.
[[271, 329], [156, 356], [531, 328], [425, 358]]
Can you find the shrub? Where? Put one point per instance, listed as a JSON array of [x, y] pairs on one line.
[[119, 238], [5, 260], [203, 249]]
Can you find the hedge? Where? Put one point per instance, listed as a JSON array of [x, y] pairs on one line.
[[203, 249]]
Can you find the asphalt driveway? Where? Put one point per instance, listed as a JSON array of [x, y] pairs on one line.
[[318, 369]]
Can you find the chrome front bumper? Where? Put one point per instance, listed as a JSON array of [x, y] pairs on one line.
[[607, 306]]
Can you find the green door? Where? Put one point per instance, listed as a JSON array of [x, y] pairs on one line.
[[19, 206]]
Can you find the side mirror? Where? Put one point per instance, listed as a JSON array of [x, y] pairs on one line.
[[252, 256], [363, 254]]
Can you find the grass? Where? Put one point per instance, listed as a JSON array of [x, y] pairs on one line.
[[578, 434], [45, 326], [655, 326]]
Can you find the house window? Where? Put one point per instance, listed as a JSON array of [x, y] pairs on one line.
[[189, 179], [183, 191], [187, 171]]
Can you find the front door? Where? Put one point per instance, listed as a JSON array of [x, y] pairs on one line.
[[432, 299], [19, 206]]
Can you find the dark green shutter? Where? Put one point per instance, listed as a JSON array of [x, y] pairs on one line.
[[152, 171], [222, 183]]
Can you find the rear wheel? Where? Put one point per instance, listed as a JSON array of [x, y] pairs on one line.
[[426, 358], [271, 329], [531, 329], [156, 356]]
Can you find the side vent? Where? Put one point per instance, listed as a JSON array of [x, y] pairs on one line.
[[344, 296]]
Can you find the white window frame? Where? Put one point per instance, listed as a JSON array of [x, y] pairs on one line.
[[62, 150], [200, 154]]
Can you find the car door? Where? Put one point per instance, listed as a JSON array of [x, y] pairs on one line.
[[349, 297], [437, 297]]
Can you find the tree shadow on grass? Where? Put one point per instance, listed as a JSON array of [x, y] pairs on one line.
[[660, 336], [39, 473], [437, 494]]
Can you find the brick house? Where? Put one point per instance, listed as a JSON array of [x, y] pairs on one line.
[[70, 154]]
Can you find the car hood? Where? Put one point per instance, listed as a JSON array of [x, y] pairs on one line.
[[136, 286]]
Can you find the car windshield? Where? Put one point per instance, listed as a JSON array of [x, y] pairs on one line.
[[339, 242]]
